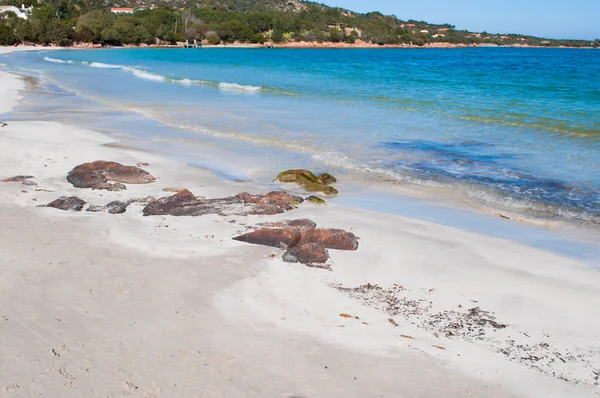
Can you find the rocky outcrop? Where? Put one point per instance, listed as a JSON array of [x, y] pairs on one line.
[[185, 203], [330, 238], [107, 175], [304, 242], [71, 203], [309, 253], [22, 179], [302, 223], [310, 181], [275, 237]]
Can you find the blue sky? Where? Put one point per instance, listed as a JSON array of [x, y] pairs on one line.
[[572, 19]]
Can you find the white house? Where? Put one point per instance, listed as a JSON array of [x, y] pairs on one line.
[[21, 12]]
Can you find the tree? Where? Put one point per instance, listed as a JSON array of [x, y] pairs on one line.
[[213, 38], [58, 33], [95, 22], [7, 36], [24, 31]]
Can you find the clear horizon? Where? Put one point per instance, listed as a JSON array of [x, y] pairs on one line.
[[554, 19]]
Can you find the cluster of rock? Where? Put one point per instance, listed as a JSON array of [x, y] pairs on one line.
[[303, 241], [309, 181]]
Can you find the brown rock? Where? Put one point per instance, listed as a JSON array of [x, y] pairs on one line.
[[276, 237], [96, 175], [309, 253], [72, 203], [275, 202], [302, 223], [330, 238], [185, 203], [22, 179]]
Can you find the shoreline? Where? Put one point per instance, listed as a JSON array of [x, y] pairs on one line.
[[167, 280], [447, 198]]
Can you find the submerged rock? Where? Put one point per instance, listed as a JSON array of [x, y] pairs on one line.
[[275, 237], [309, 253], [71, 203], [96, 175], [310, 181], [22, 179], [330, 238]]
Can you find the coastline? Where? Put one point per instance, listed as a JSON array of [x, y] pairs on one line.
[[209, 275]]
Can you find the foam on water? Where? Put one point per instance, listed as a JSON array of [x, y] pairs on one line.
[[238, 87]]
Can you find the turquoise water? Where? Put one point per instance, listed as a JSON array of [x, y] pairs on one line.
[[514, 128]]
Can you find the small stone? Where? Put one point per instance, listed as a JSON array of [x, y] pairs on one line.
[[71, 203]]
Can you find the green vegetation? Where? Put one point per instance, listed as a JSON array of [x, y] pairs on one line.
[[310, 182], [226, 21], [316, 200]]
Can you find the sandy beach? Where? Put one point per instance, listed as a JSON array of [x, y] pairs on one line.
[[99, 304]]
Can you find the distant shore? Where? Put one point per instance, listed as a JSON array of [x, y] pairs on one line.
[[299, 45]]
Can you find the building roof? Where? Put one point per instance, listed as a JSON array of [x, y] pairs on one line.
[[121, 9]]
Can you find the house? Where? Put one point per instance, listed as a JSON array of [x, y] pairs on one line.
[[121, 10], [438, 35], [21, 12], [424, 31], [411, 25], [443, 29]]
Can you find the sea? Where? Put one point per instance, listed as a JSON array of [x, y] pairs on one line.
[[512, 129]]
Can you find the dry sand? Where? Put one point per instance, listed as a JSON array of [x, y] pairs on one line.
[[95, 304]]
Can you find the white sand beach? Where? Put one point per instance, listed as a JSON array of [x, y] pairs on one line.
[[98, 304]]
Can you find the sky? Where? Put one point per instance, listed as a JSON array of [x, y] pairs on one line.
[[556, 19]]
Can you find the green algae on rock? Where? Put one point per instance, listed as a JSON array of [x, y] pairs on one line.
[[316, 200], [310, 181]]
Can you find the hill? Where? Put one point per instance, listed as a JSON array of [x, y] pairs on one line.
[[228, 21]]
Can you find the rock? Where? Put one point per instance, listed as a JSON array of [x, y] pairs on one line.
[[316, 200], [330, 238], [22, 179], [142, 164], [118, 207], [184, 203], [309, 253], [96, 175], [275, 237], [275, 202], [310, 181], [72, 203], [302, 223]]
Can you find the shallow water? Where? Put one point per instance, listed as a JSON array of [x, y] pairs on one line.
[[514, 128]]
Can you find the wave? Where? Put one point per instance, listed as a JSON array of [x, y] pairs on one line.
[[57, 61], [144, 74], [238, 87], [102, 65]]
